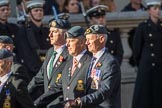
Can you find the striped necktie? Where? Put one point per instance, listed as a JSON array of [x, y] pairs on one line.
[[91, 65]]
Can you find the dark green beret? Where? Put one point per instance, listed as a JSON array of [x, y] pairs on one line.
[[6, 40], [4, 3], [4, 53], [60, 23], [96, 29], [64, 16], [74, 32], [98, 10]]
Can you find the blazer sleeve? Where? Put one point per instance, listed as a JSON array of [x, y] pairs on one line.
[[110, 81]]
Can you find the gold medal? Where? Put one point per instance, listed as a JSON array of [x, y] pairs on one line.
[[94, 84], [58, 77]]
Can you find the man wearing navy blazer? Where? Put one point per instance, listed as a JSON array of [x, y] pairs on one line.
[[103, 77], [49, 76]]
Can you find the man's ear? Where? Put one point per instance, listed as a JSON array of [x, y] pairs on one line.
[[102, 38]]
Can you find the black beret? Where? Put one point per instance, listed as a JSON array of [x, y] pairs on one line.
[[4, 53], [74, 32], [60, 23], [6, 40], [96, 29], [4, 3], [98, 10]]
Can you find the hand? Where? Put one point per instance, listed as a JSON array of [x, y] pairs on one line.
[[73, 103]]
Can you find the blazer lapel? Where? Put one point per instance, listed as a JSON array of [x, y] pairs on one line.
[[62, 58], [89, 80], [76, 72]]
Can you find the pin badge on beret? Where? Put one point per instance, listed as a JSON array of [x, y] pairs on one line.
[[53, 23], [88, 31]]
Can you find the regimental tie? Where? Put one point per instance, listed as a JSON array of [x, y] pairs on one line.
[[51, 63], [75, 64], [91, 65]]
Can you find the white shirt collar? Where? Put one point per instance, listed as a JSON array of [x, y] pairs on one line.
[[4, 78], [98, 55], [78, 57], [60, 50]]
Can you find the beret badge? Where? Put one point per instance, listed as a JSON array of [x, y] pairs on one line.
[[53, 23], [88, 31]]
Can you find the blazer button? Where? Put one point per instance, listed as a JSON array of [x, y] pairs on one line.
[[153, 64], [111, 51], [13, 36], [152, 54], [150, 35], [67, 98], [22, 61], [68, 87], [49, 87], [151, 44], [111, 41]]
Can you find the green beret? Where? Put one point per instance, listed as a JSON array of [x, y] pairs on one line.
[[4, 53], [6, 40], [34, 4], [74, 32], [98, 10], [96, 29], [60, 23], [4, 3]]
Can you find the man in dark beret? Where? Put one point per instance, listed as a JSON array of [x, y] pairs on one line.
[[97, 15], [103, 77], [7, 28], [74, 73], [18, 70], [32, 39], [50, 73], [13, 91]]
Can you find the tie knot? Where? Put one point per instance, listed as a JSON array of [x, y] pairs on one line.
[[54, 52], [75, 61], [94, 59]]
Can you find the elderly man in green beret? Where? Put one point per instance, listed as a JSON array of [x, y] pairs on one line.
[[13, 91], [97, 15], [103, 77], [74, 73], [49, 75]]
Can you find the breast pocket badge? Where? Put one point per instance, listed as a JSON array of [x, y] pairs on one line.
[[58, 77], [80, 85]]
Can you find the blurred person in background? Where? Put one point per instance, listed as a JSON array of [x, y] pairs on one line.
[[72, 6], [133, 5], [33, 40]]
